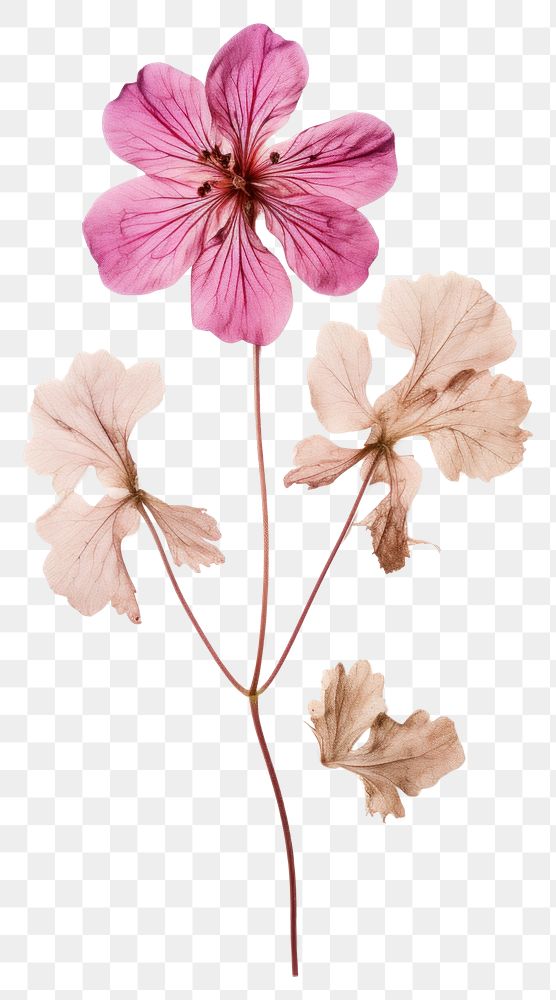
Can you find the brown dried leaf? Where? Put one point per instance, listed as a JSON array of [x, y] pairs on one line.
[[410, 756], [388, 521], [349, 702], [338, 376]]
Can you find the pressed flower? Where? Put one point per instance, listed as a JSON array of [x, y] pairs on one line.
[[85, 420], [411, 756], [211, 172], [470, 417]]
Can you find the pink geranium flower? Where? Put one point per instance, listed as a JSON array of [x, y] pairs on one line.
[[210, 173]]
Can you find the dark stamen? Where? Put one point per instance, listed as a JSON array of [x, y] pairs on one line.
[[206, 154], [274, 157], [225, 160], [201, 190], [206, 187]]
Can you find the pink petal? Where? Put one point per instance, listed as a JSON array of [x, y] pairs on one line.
[[253, 85], [450, 323], [186, 530], [388, 521], [86, 563], [338, 377], [239, 290], [319, 462], [351, 158], [86, 419], [162, 124], [144, 234], [328, 244]]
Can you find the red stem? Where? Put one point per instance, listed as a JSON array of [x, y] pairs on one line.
[[264, 505], [285, 828], [350, 519], [184, 603]]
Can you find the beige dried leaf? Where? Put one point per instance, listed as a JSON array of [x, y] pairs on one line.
[[449, 322], [338, 377], [85, 563], [471, 417], [186, 530], [86, 420], [318, 462]]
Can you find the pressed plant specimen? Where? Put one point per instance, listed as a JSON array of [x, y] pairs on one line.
[[211, 172]]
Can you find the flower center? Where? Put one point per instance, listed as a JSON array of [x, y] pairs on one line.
[[230, 175]]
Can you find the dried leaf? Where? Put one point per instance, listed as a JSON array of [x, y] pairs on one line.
[[319, 462], [86, 563], [86, 419], [388, 521], [186, 530], [410, 756], [471, 417], [338, 376], [349, 703], [450, 323], [474, 426]]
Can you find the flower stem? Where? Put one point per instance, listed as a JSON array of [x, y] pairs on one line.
[[285, 827], [264, 506], [184, 603], [350, 519]]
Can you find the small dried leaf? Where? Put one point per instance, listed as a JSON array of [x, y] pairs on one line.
[[349, 702], [449, 322], [186, 530], [474, 426], [338, 376], [319, 462], [86, 419], [388, 521], [410, 756], [86, 563]]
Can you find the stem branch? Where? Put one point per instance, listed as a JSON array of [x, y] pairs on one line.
[[142, 510], [285, 827], [350, 519]]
